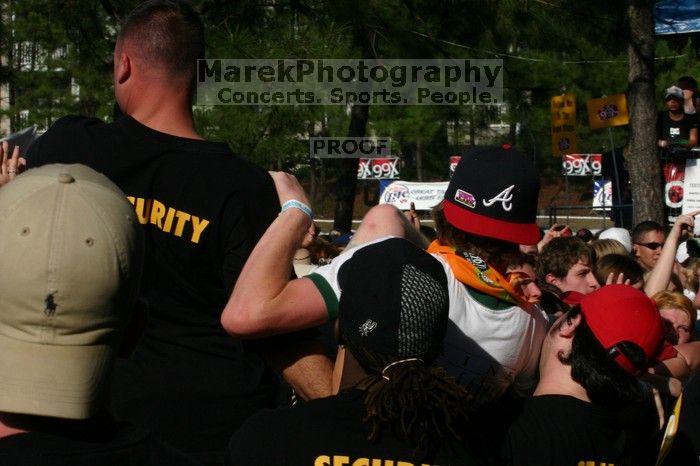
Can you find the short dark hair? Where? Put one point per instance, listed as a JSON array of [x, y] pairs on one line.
[[519, 259], [168, 33], [687, 83], [617, 264], [560, 254], [643, 228], [607, 384]]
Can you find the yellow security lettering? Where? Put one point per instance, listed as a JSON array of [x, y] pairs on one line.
[[341, 460], [198, 227], [404, 463], [169, 220], [182, 218], [157, 213], [323, 460], [143, 209], [361, 462]]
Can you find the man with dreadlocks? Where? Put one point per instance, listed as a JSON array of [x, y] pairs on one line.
[[495, 332], [391, 405]]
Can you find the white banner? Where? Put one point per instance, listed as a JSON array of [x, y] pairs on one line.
[[690, 194], [424, 195], [602, 194]]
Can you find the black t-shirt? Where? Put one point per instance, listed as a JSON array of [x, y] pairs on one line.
[[558, 430], [103, 445], [330, 431], [203, 210], [675, 131]]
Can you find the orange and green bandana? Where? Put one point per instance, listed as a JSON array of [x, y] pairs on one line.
[[474, 272]]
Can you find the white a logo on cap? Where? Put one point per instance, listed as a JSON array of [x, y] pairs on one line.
[[367, 327], [504, 197]]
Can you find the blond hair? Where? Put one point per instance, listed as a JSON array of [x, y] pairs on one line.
[[603, 247], [676, 300]]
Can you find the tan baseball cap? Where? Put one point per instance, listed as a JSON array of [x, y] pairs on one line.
[[71, 255]]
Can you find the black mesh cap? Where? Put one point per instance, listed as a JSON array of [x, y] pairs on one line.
[[394, 302]]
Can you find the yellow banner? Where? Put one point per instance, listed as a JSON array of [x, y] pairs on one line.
[[563, 108], [608, 111]]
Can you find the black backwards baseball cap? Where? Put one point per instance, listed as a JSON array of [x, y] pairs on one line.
[[493, 192], [394, 302]]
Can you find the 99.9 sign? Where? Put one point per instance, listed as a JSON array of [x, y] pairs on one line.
[[378, 169], [582, 164]]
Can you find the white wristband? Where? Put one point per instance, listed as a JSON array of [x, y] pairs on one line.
[[293, 203]]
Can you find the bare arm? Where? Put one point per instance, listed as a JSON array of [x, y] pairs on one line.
[[676, 368], [691, 353], [687, 360], [305, 367], [264, 302], [693, 139], [661, 273]]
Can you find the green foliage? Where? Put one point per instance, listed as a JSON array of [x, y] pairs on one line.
[[58, 60], [548, 48]]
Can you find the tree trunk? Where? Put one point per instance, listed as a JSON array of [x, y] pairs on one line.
[[313, 185], [347, 180], [419, 160], [472, 127], [643, 165]]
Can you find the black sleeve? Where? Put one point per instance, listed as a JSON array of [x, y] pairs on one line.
[[249, 213], [58, 143]]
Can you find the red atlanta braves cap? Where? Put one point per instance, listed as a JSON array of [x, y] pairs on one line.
[[493, 193], [617, 313]]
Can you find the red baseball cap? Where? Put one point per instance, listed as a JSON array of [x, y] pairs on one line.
[[617, 313]]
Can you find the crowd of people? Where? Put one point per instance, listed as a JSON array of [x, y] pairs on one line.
[[151, 314]]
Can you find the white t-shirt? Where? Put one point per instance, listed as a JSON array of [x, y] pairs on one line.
[[490, 344]]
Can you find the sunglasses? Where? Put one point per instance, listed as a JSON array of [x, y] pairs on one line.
[[652, 246]]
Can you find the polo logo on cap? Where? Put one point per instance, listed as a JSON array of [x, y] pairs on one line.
[[50, 305], [367, 327], [504, 197], [465, 198]]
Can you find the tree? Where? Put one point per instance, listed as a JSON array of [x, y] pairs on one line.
[[642, 158], [59, 60], [548, 48]]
